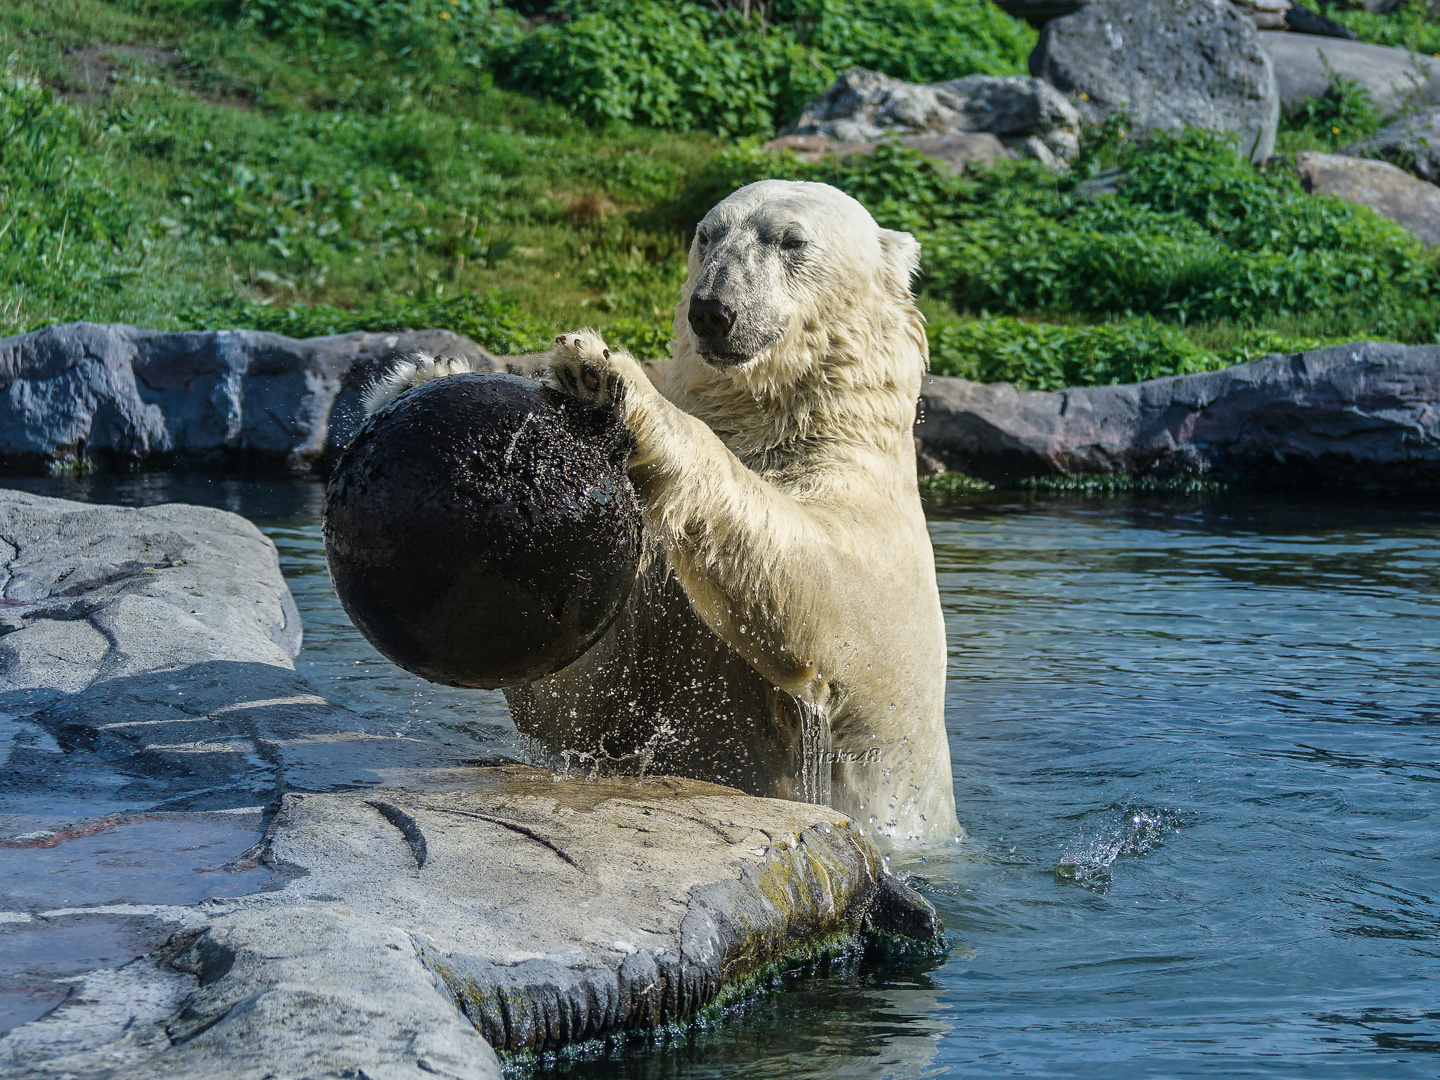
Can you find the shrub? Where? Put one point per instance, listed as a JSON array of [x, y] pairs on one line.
[[916, 40], [667, 64], [1344, 114], [683, 66]]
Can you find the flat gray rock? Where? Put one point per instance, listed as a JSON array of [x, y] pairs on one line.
[[120, 395], [1389, 191], [1412, 142], [560, 910], [1167, 64], [1028, 116], [1361, 416], [1394, 78], [507, 908]]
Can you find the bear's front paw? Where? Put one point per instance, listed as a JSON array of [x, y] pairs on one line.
[[581, 366]]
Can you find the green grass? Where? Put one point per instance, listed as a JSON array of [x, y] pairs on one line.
[[1039, 356], [319, 166], [247, 171]]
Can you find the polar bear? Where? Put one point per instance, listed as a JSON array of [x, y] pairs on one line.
[[785, 636]]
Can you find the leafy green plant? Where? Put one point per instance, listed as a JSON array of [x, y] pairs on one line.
[[673, 65], [916, 40], [683, 66], [1345, 113], [1412, 27], [647, 339]]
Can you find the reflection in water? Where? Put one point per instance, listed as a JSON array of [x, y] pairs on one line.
[[1195, 748]]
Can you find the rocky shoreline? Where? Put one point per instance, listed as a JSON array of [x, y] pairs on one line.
[[421, 911], [85, 395]]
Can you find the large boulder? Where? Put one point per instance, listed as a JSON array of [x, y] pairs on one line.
[[1165, 64], [156, 647], [1360, 415], [1412, 142], [1026, 115], [1389, 191], [1395, 79], [81, 393]]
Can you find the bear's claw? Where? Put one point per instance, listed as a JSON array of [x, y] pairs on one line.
[[581, 366]]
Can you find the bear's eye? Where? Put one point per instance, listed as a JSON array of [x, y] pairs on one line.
[[702, 237], [793, 243]]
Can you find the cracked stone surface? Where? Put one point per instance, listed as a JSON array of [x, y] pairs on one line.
[[417, 913]]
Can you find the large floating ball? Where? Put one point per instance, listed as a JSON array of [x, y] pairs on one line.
[[481, 530]]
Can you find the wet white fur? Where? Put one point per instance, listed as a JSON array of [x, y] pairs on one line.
[[407, 373]]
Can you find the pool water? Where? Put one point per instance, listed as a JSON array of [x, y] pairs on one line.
[[1196, 748]]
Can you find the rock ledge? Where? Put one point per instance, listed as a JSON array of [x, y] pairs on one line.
[[423, 912]]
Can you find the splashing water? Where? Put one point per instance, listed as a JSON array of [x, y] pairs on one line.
[[1133, 831], [814, 754]]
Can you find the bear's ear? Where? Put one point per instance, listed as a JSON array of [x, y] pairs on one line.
[[901, 253]]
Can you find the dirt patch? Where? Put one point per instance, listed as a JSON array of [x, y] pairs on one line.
[[93, 68]]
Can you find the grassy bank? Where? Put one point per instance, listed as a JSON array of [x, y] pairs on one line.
[[315, 166]]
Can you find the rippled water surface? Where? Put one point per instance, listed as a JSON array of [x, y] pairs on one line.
[[1196, 747]]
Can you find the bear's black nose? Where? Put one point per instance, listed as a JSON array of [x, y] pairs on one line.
[[710, 318]]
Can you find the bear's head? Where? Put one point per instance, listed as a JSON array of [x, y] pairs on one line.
[[794, 290]]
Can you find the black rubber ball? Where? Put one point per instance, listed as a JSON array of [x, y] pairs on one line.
[[481, 530]]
